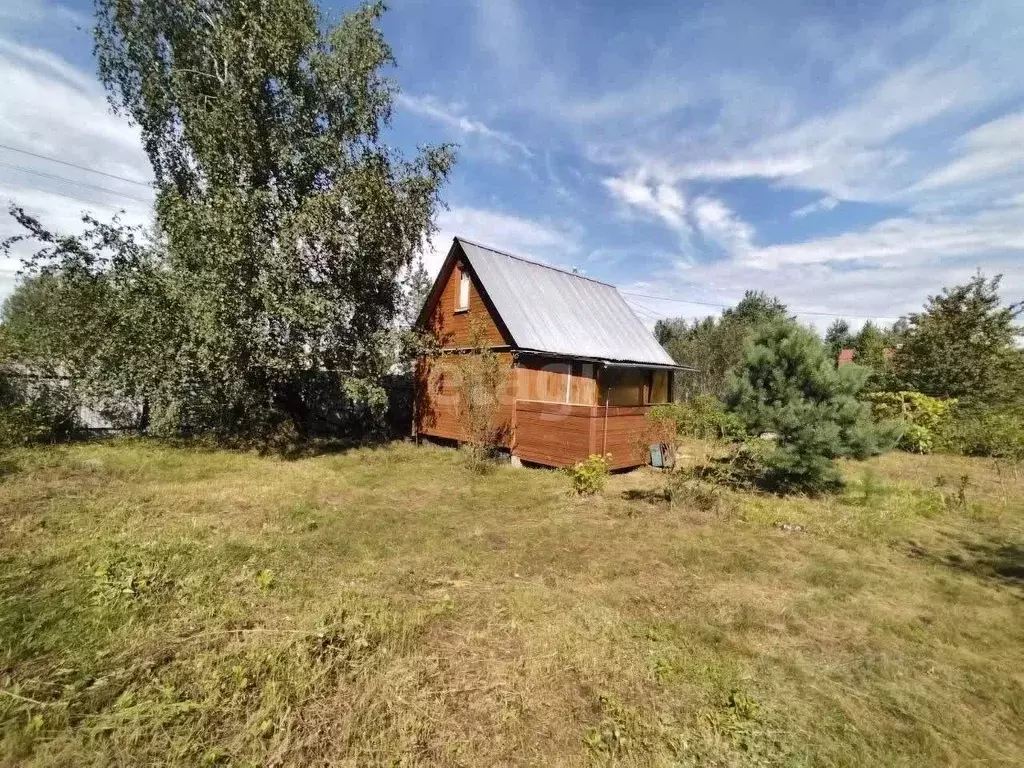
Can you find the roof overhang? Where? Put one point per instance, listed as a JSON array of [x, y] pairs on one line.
[[605, 362]]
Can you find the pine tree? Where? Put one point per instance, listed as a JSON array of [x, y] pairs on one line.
[[787, 385]]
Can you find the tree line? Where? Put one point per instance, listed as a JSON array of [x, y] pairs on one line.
[[950, 376], [963, 344]]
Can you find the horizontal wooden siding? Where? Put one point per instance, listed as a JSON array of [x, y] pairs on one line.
[[560, 435]]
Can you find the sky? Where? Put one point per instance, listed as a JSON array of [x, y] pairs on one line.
[[849, 157]]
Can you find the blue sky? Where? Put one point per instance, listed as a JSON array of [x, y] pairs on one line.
[[849, 157]]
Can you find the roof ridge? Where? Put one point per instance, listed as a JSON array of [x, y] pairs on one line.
[[460, 238]]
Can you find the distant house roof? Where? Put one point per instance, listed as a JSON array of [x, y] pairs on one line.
[[551, 311], [847, 356]]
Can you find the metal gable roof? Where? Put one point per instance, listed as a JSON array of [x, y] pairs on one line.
[[549, 310]]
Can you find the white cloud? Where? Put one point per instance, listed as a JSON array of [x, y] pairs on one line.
[[662, 201], [992, 150], [855, 151], [554, 242], [815, 292], [720, 225], [708, 216], [902, 241], [452, 117], [883, 105], [645, 99], [53, 108], [49, 107], [826, 203], [884, 130]]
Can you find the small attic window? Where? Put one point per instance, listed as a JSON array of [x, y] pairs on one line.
[[462, 300]]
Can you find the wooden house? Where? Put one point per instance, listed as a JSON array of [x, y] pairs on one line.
[[581, 371]]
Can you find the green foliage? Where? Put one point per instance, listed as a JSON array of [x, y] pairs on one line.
[[588, 478], [266, 579], [963, 346], [285, 227], [482, 376], [702, 416], [998, 433], [763, 464], [714, 346], [95, 335], [787, 386], [33, 407], [128, 576], [924, 419], [35, 411], [838, 337], [756, 308], [870, 350]]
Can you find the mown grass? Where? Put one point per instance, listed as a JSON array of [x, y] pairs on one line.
[[165, 605]]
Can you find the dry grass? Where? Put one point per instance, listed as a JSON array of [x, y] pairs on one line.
[[170, 606]]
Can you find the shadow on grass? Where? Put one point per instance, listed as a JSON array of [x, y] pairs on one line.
[[8, 466], [987, 559], [306, 449], [289, 449], [649, 495]]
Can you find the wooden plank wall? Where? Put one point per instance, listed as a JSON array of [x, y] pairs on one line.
[[659, 387], [543, 379], [626, 386], [627, 435], [554, 434], [634, 386], [452, 328], [560, 435], [437, 390]]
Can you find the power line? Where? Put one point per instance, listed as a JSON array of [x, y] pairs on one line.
[[73, 197], [644, 314], [636, 305], [66, 180], [75, 165], [727, 306]]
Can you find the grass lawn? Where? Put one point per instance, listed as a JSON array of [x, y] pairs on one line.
[[163, 605]]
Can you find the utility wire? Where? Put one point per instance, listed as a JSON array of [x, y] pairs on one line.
[[645, 315], [637, 306], [74, 165], [88, 200], [66, 180], [728, 306], [149, 186]]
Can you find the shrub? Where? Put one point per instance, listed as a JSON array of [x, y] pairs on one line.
[[924, 419], [34, 411], [785, 469], [482, 377], [787, 386], [999, 434], [691, 488], [703, 417], [761, 464], [588, 477]]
